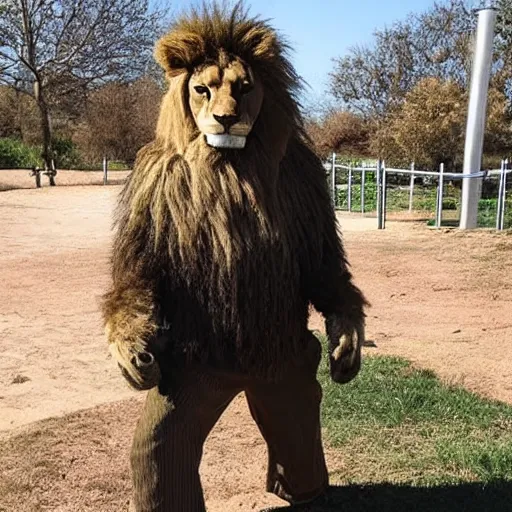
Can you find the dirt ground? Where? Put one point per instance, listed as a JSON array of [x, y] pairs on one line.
[[440, 298]]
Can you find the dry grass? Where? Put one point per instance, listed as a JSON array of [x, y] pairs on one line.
[[76, 463]]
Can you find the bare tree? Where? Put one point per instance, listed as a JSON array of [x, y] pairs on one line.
[[429, 126], [51, 49], [503, 77], [119, 119], [339, 131], [374, 79]]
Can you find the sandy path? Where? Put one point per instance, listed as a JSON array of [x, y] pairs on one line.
[[440, 298], [54, 247], [13, 179]]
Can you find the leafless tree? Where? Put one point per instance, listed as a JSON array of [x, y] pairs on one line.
[[374, 79], [52, 49], [119, 118]]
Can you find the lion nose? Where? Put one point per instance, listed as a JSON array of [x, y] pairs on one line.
[[226, 121]]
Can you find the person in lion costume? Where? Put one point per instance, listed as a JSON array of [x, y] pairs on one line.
[[225, 235]]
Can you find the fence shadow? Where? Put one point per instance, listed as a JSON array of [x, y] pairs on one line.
[[468, 497]]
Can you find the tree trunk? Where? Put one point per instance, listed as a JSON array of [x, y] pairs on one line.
[[46, 130]]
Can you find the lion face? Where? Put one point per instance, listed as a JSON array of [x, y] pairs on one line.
[[225, 100]]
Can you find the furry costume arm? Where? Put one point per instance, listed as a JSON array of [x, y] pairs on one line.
[[334, 294], [132, 332], [328, 282], [131, 307]]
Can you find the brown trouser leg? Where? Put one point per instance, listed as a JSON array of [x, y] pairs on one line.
[[168, 444], [288, 416]]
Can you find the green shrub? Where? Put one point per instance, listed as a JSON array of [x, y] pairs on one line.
[[14, 154], [449, 203], [118, 166], [370, 197], [66, 153], [487, 210]]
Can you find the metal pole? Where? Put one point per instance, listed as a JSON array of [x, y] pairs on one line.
[[384, 194], [482, 61], [439, 205], [504, 205], [500, 198], [411, 188], [363, 183], [379, 195], [349, 195], [105, 170], [333, 179]]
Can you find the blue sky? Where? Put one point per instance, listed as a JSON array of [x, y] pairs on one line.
[[321, 30]]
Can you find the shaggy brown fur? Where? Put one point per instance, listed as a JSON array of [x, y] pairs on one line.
[[229, 247]]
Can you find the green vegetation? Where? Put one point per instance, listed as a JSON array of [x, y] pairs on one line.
[[424, 200], [395, 423], [15, 154], [66, 154], [409, 442], [487, 209]]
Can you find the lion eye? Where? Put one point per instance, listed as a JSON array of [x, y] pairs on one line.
[[201, 89]]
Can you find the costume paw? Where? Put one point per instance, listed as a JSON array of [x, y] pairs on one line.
[[138, 366], [345, 344]]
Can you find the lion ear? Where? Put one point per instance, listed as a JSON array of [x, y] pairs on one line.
[[178, 52], [263, 43]]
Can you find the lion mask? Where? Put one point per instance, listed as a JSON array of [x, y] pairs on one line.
[[223, 71]]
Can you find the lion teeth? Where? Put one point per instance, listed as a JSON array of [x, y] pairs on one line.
[[225, 141]]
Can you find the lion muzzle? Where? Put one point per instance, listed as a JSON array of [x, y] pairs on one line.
[[226, 141]]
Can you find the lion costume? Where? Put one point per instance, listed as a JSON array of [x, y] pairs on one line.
[[225, 236]]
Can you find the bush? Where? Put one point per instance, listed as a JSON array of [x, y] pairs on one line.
[[14, 154], [370, 197], [66, 153], [450, 203]]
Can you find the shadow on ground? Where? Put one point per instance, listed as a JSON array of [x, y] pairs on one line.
[[474, 497]]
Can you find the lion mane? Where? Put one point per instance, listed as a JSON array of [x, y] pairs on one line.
[[229, 248]]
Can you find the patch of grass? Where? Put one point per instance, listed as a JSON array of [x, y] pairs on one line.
[[399, 424], [397, 199]]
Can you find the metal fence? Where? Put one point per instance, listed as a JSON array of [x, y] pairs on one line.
[[375, 189]]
